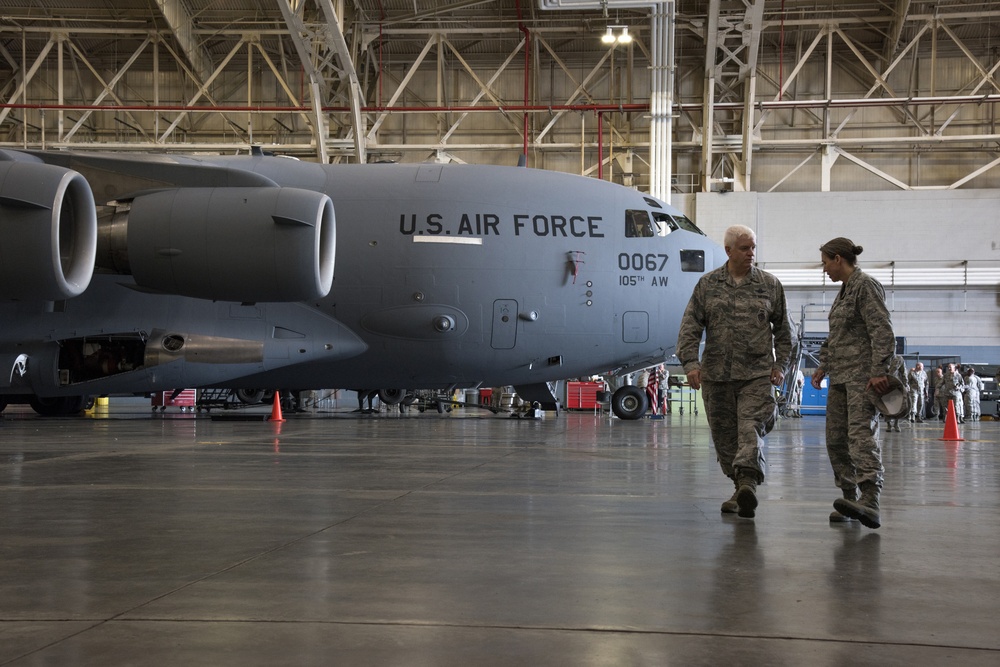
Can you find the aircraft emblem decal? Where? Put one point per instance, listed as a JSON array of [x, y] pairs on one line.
[[20, 367]]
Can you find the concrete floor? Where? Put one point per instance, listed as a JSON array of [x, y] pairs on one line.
[[473, 539]]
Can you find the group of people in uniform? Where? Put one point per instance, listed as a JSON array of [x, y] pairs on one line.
[[929, 396], [741, 311]]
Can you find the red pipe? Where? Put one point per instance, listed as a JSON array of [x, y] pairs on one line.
[[527, 108], [620, 108]]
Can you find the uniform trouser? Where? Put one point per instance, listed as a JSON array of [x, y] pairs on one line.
[[795, 401], [852, 436], [975, 407], [740, 414], [942, 404], [959, 399], [916, 405]]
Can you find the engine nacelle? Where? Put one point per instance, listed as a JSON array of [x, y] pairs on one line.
[[226, 244], [48, 232]]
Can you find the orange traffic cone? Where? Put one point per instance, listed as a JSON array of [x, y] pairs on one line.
[[951, 424], [276, 408]]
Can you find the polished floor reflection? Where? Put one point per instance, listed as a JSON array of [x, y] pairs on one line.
[[474, 539]]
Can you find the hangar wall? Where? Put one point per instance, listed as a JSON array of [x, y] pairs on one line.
[[927, 237]]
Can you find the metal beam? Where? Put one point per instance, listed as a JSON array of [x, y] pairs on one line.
[[178, 17], [338, 44]]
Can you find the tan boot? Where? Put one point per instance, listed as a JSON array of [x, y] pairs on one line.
[[849, 494], [865, 510], [746, 497], [730, 506]]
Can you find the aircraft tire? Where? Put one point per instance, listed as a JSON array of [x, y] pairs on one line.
[[250, 396], [391, 396], [629, 402], [58, 405]]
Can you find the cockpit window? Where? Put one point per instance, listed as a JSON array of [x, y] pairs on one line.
[[665, 222], [638, 225], [687, 225]]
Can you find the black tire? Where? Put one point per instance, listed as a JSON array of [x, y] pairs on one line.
[[629, 402], [55, 406], [250, 396], [391, 396]]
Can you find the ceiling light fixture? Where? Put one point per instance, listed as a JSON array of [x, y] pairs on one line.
[[609, 36]]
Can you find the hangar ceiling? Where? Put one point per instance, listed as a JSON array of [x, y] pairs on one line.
[[766, 95]]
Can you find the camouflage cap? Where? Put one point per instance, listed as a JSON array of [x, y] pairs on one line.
[[894, 403]]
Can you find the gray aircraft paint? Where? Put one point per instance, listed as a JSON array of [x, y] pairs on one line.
[[442, 276]]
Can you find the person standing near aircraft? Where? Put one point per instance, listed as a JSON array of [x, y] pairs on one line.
[[857, 356], [795, 400], [939, 396], [663, 393], [741, 310], [973, 388], [951, 390], [917, 384]]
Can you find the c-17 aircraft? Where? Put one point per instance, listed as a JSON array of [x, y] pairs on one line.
[[126, 274]]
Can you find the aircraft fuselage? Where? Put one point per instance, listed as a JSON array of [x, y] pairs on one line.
[[444, 276]]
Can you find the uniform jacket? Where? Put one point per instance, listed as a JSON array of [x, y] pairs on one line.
[[917, 381], [953, 382], [861, 344], [746, 328]]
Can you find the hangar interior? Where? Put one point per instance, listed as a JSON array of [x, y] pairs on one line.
[[467, 538], [875, 118]]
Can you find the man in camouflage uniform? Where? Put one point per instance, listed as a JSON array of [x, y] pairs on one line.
[[951, 390], [917, 383], [748, 343], [940, 396]]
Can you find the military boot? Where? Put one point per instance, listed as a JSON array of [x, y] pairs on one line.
[[746, 496], [864, 510], [730, 506], [849, 494]]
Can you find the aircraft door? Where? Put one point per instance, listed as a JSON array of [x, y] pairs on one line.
[[635, 326], [504, 324]]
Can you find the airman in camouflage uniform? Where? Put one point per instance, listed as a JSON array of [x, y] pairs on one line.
[[951, 390], [856, 356], [748, 342], [916, 380], [937, 383], [973, 389]]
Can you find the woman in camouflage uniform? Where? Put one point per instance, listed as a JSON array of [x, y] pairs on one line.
[[856, 356]]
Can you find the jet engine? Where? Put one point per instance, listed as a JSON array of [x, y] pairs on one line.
[[48, 231], [224, 244]]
